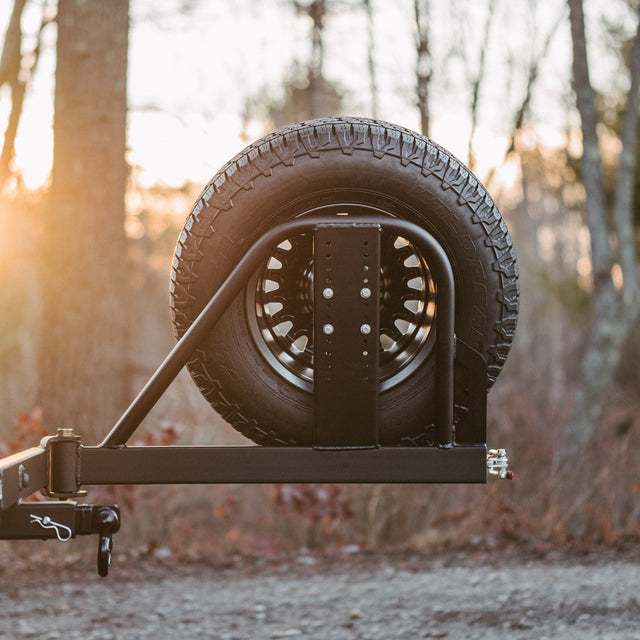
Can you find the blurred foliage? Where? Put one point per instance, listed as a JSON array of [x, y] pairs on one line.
[[566, 291]]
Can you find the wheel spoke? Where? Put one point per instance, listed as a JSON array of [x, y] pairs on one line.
[[284, 305]]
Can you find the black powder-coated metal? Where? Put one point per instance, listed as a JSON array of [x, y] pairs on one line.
[[255, 256], [58, 519], [21, 475], [257, 465], [346, 278], [471, 426], [63, 463]]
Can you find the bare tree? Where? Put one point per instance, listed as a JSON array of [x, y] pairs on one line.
[[613, 313], [423, 62], [10, 65], [522, 111], [623, 211], [307, 92], [317, 11], [83, 381], [371, 66], [17, 75], [476, 83]]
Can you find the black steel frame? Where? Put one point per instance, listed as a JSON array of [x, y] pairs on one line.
[[346, 447]]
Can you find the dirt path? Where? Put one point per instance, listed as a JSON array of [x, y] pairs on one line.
[[348, 599]]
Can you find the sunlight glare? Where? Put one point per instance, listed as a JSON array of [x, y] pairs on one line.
[[171, 151]]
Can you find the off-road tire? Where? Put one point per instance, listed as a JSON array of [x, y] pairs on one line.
[[324, 163]]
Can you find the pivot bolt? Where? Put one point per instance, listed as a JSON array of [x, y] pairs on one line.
[[365, 329], [327, 329], [365, 293], [327, 293]]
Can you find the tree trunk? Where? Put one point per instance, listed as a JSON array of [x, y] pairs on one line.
[[11, 57], [477, 83], [317, 11], [371, 65], [611, 320], [10, 63], [423, 62], [84, 273], [625, 177]]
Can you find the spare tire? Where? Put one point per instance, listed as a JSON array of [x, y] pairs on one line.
[[256, 366]]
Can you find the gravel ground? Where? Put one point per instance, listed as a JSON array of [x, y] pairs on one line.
[[353, 597]]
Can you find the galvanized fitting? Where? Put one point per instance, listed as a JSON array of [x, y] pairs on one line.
[[498, 464]]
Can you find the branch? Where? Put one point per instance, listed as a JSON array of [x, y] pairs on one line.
[[534, 69], [18, 90], [475, 93], [423, 63], [11, 58], [532, 77], [373, 84]]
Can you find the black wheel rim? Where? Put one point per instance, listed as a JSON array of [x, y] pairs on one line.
[[279, 304]]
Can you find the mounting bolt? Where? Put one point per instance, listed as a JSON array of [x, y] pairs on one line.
[[365, 293], [327, 293], [23, 478], [365, 329], [327, 329]]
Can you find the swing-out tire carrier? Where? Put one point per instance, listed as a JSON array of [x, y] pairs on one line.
[[26, 473], [61, 466]]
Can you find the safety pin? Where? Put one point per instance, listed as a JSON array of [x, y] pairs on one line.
[[47, 523]]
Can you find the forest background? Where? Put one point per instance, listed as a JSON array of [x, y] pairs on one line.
[[115, 114]]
